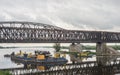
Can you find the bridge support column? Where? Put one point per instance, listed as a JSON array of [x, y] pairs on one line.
[[101, 48], [102, 59], [101, 51], [75, 48]]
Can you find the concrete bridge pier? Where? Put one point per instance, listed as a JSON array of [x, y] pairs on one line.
[[105, 54], [77, 48], [101, 48], [101, 51], [102, 59]]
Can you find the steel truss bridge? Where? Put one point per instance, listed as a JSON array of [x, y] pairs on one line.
[[30, 32]]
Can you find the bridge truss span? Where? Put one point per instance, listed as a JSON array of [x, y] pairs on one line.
[[18, 24], [27, 32]]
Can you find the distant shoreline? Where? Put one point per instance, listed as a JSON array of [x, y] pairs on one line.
[[87, 47]]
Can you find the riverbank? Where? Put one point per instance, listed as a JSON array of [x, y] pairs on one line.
[[5, 73], [86, 47]]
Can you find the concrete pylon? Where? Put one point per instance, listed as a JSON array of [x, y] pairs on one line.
[[101, 50], [103, 58], [75, 48], [104, 53]]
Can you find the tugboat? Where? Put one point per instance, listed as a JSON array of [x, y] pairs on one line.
[[39, 58]]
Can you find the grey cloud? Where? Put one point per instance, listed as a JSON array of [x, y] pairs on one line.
[[100, 14]]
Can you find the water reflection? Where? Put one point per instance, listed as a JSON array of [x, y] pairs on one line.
[[32, 66], [106, 59], [101, 69], [4, 61], [101, 59], [106, 64]]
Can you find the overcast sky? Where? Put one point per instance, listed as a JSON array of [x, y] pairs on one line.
[[69, 14]]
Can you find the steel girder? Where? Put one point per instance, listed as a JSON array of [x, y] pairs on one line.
[[19, 32]]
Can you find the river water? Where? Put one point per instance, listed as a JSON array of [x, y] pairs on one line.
[[6, 62]]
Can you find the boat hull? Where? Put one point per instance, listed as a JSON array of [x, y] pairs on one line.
[[45, 62]]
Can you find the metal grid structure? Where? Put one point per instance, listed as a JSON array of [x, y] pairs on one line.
[[29, 32], [84, 68]]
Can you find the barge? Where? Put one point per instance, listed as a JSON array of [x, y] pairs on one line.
[[39, 58]]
